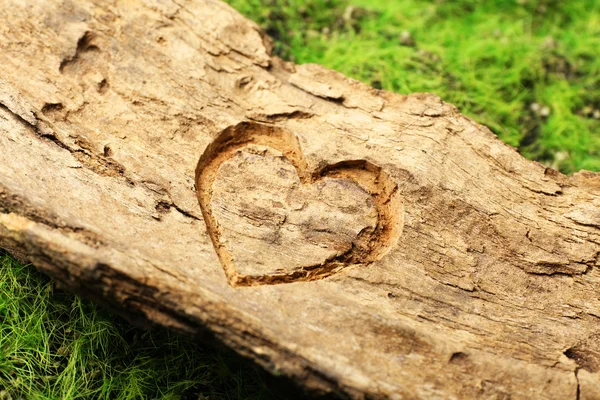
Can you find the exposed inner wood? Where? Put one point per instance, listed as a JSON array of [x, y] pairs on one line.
[[272, 220]]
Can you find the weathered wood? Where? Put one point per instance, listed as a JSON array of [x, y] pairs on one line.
[[154, 156]]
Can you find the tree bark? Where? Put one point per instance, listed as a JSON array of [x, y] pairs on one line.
[[154, 156]]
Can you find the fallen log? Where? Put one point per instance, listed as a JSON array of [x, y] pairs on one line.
[[155, 157]]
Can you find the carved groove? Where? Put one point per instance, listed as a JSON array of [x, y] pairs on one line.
[[369, 246]]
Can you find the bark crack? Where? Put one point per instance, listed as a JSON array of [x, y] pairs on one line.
[[95, 163], [578, 394], [12, 204]]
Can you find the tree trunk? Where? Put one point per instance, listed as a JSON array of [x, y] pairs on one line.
[[155, 157]]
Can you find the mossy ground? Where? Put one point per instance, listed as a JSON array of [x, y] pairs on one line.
[[528, 69]]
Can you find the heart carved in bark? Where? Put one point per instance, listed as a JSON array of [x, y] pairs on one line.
[[272, 219]]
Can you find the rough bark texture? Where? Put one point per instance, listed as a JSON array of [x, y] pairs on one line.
[[154, 156]]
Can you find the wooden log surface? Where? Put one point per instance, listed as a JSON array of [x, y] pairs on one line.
[[155, 157]]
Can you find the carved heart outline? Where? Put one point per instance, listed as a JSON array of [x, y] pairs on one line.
[[373, 179]]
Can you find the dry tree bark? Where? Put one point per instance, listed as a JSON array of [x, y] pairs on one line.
[[154, 156]]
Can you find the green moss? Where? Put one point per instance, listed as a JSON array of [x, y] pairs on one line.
[[495, 60], [527, 69]]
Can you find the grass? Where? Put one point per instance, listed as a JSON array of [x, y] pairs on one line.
[[527, 69], [54, 345]]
